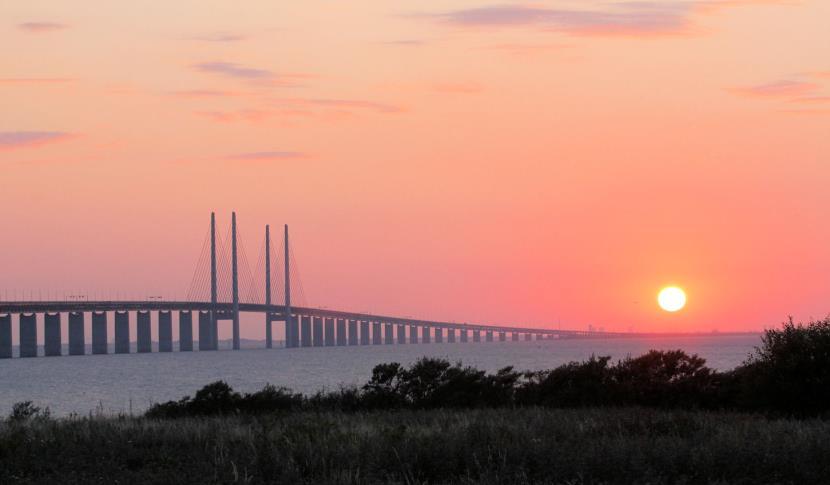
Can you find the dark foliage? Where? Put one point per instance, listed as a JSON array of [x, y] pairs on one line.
[[788, 375]]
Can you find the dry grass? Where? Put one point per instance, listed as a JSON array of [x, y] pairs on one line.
[[531, 445]]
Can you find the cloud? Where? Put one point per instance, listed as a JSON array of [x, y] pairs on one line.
[[354, 103], [266, 156], [812, 99], [404, 42], [203, 93], [778, 89], [35, 80], [231, 69], [40, 27], [220, 37], [249, 115], [457, 88], [629, 18], [10, 140]]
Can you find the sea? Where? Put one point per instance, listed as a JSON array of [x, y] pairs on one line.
[[130, 383]]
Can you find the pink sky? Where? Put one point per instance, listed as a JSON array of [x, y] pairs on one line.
[[527, 163]]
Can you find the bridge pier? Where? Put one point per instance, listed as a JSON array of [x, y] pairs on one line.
[[413, 334], [77, 339], [28, 335], [476, 335], [341, 332], [353, 332], [99, 333], [143, 335], [502, 336], [465, 335], [439, 335], [388, 330], [426, 336], [514, 336], [376, 337], [205, 334], [6, 336], [185, 331], [489, 335], [305, 324], [165, 331], [294, 325], [52, 334], [528, 336], [451, 335], [122, 332], [317, 323], [364, 332], [401, 334], [329, 324]]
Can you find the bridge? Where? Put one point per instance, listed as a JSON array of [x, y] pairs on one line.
[[303, 326]]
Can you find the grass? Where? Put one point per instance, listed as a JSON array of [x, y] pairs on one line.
[[491, 446]]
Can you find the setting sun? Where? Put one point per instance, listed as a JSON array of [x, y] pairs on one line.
[[671, 299]]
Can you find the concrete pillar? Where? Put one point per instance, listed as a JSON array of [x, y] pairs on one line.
[[401, 334], [28, 335], [52, 334], [489, 335], [476, 335], [376, 337], [388, 333], [305, 324], [439, 335], [77, 339], [99, 333], [451, 335], [539, 336], [294, 321], [502, 336], [364, 332], [165, 331], [515, 336], [329, 332], [122, 332], [528, 336], [144, 340], [205, 333], [353, 340], [341, 332], [185, 331], [413, 334], [317, 323], [465, 335], [426, 334], [6, 336]]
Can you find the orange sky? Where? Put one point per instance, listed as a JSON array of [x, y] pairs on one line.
[[528, 163]]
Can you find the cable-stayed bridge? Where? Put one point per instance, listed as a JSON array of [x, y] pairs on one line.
[[222, 287]]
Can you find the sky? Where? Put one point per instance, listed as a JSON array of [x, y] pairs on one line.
[[548, 164]]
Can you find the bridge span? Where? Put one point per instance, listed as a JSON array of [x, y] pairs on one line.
[[303, 326]]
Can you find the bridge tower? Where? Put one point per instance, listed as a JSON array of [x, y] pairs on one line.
[[292, 333], [268, 338], [213, 284], [235, 283]]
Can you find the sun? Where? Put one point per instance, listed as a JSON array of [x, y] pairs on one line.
[[671, 298]]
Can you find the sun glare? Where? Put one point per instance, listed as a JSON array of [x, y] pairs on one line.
[[671, 299]]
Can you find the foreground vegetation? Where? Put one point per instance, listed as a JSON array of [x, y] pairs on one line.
[[788, 375], [529, 445], [663, 417]]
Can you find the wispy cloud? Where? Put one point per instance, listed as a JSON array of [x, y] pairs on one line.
[[204, 93], [35, 80], [628, 18], [457, 88], [355, 103], [785, 88], [232, 69], [220, 37], [10, 140], [266, 156], [404, 42], [248, 115], [40, 27]]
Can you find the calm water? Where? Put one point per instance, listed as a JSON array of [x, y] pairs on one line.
[[124, 383]]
